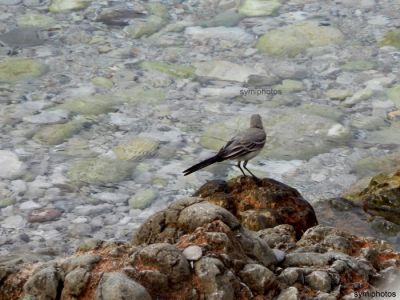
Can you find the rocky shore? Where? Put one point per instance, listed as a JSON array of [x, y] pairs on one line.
[[239, 239]]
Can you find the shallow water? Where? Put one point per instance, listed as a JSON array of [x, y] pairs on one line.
[[104, 103]]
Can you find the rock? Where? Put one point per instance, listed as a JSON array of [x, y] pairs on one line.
[[257, 8], [168, 258], [192, 253], [59, 6], [215, 279], [140, 94], [293, 39], [4, 202], [13, 222], [16, 69], [382, 196], [180, 71], [28, 205], [338, 94], [117, 286], [22, 37], [35, 20], [225, 70], [136, 149], [99, 171], [103, 82], [358, 65], [118, 17], [391, 38], [228, 18], [394, 94], [306, 259], [47, 117], [75, 282], [359, 96], [289, 86], [387, 135], [319, 280], [291, 293], [278, 236], [258, 278], [58, 133], [144, 28], [90, 105], [241, 194], [234, 35], [86, 261], [142, 199], [44, 215], [44, 284], [12, 167]]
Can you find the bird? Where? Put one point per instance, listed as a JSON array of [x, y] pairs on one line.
[[242, 147]]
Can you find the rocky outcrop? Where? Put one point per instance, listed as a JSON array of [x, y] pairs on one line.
[[195, 249], [261, 204]]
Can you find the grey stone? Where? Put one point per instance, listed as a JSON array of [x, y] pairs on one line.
[[291, 293], [117, 286], [86, 261], [319, 280], [306, 259], [22, 37], [11, 166], [258, 278], [13, 222], [43, 284], [75, 282]]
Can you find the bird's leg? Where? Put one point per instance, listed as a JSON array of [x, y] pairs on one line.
[[244, 166], [241, 168]]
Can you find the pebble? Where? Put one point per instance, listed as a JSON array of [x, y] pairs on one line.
[[11, 166], [192, 253], [44, 215], [14, 222]]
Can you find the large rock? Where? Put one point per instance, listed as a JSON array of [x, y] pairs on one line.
[[16, 69], [260, 205], [11, 166], [293, 39], [382, 196]]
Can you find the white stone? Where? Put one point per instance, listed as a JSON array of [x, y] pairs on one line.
[[192, 252], [11, 166], [79, 220], [337, 130], [47, 117], [14, 222], [28, 205]]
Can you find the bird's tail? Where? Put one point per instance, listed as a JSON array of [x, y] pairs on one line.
[[202, 164]]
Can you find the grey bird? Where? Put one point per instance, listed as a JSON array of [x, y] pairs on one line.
[[242, 147]]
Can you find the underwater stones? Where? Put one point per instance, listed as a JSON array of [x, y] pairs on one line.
[[99, 170], [391, 38], [225, 70], [257, 8], [290, 86], [58, 6], [394, 94], [57, 133], [15, 69], [226, 18], [22, 37], [136, 148], [6, 201], [145, 27], [35, 20], [382, 196], [235, 35], [293, 39], [359, 96], [11, 166], [140, 94], [90, 105], [387, 135], [358, 65], [181, 71], [338, 94], [142, 199], [102, 82]]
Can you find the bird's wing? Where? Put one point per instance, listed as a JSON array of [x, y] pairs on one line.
[[253, 139]]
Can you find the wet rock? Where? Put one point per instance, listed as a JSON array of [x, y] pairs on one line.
[[59, 6], [118, 17], [293, 39], [232, 34], [243, 194], [359, 96], [142, 199], [391, 38], [43, 284], [22, 37], [16, 69], [226, 18], [394, 94], [338, 94], [75, 282], [136, 148], [13, 222], [180, 71], [58, 133], [140, 94], [278, 236], [382, 196], [90, 105], [47, 117], [44, 215], [103, 82], [306, 259], [117, 286], [35, 20], [258, 278], [99, 171], [319, 280], [12, 167], [256, 8], [168, 258], [7, 201]]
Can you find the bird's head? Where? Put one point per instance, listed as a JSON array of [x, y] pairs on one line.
[[256, 121]]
